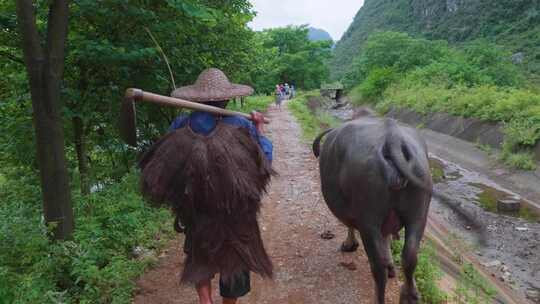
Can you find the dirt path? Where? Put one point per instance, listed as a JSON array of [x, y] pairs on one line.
[[307, 268]]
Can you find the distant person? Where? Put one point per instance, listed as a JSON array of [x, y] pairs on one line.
[[279, 96], [292, 91], [282, 90], [287, 91]]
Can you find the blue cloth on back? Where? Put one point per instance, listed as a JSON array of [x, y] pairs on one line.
[[204, 123]]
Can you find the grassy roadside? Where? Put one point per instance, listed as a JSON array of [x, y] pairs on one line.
[[312, 121]]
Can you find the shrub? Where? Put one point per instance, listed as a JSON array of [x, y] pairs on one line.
[[520, 160], [96, 266], [377, 82], [493, 62], [394, 50]]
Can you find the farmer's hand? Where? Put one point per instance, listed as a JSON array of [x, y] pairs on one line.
[[258, 120]]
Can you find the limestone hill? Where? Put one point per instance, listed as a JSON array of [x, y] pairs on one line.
[[513, 24]]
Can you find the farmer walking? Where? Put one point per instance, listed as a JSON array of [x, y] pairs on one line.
[[279, 96], [213, 171]]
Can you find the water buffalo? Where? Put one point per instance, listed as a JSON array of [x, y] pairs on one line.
[[375, 178]]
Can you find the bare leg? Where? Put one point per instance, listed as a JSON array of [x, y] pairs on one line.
[[204, 290], [350, 244], [229, 301]]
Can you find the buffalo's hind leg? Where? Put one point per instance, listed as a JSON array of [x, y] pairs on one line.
[[388, 251], [376, 250], [413, 235], [350, 244]]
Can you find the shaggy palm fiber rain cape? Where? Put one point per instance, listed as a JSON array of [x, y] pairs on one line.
[[215, 184]]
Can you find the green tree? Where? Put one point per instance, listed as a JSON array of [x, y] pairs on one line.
[[299, 60], [109, 50], [44, 62], [394, 50]]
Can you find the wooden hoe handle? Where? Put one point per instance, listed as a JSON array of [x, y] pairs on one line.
[[138, 95]]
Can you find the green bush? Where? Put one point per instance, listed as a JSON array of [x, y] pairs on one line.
[[476, 63], [397, 51], [451, 71], [96, 266], [376, 82], [493, 62]]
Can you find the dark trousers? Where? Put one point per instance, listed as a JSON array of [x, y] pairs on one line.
[[238, 287]]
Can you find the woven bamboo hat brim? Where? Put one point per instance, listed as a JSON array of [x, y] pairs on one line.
[[212, 85]]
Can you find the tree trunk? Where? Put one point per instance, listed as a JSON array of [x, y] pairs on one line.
[[82, 157], [45, 68]]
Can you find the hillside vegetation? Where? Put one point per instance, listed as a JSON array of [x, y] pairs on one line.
[[512, 24], [476, 80]]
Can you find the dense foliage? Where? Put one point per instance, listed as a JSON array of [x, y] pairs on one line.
[[513, 24], [476, 80], [108, 51], [387, 54], [300, 61], [97, 266], [110, 48]]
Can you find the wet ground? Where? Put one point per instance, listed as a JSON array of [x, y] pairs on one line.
[[308, 268], [512, 254], [513, 250]]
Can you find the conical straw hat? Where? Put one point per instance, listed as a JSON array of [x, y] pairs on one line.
[[212, 85]]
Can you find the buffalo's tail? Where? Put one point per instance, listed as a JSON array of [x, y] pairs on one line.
[[317, 143], [399, 152]]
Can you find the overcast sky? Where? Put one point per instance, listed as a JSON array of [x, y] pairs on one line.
[[333, 16]]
